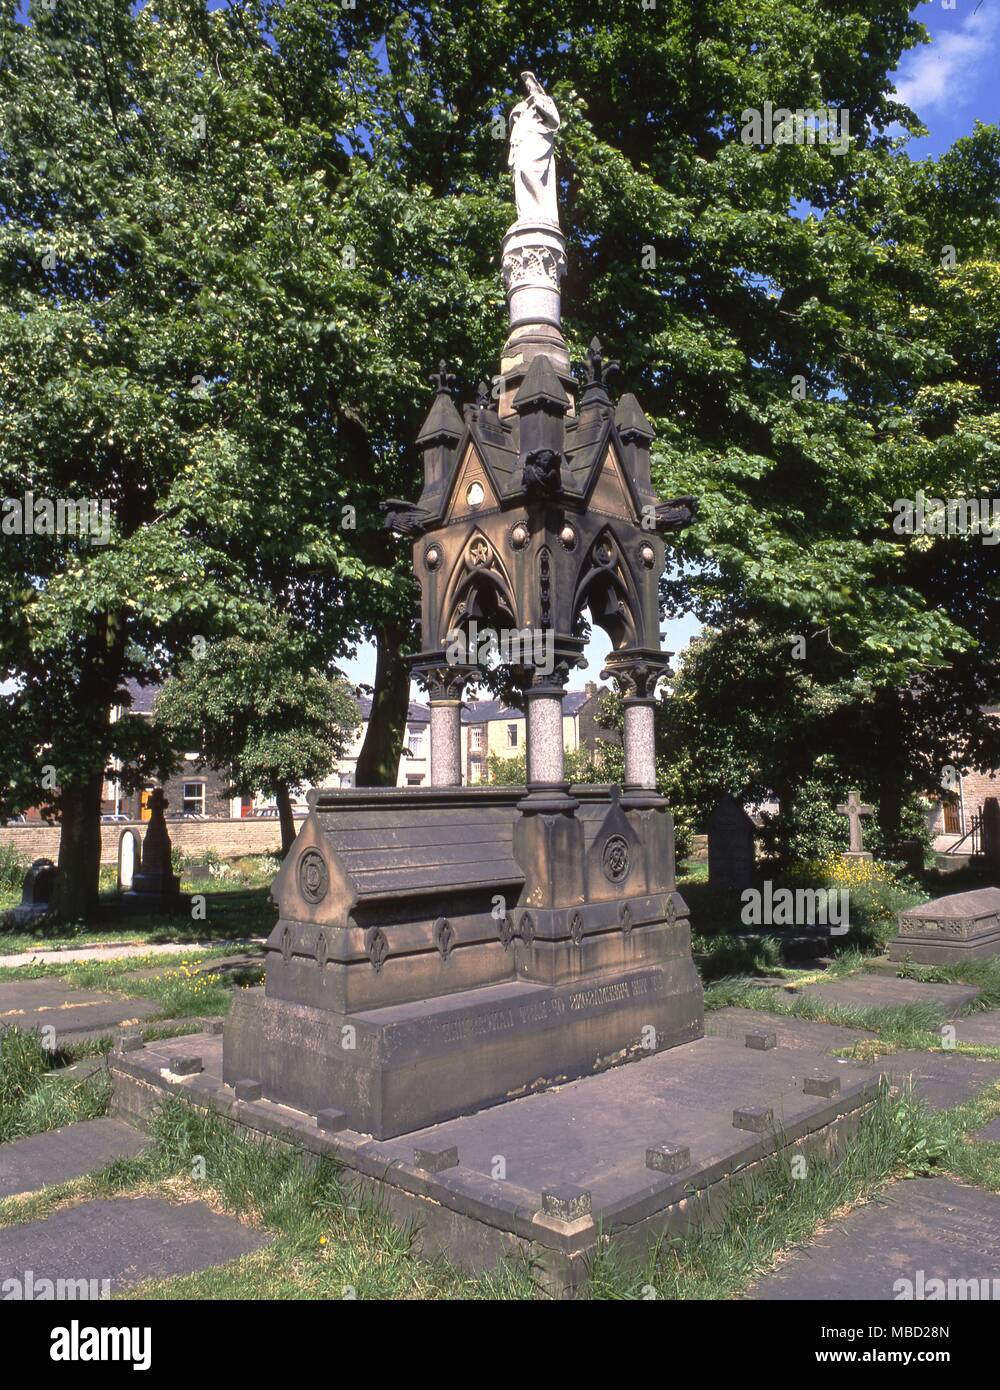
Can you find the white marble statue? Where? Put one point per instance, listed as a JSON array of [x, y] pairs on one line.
[[533, 126]]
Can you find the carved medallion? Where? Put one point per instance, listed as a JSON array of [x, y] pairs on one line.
[[314, 880], [377, 947], [480, 552], [443, 937], [614, 860]]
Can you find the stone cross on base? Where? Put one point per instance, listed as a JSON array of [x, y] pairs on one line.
[[854, 810]]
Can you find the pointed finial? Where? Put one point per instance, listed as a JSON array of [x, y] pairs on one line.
[[483, 398], [442, 379], [597, 369]]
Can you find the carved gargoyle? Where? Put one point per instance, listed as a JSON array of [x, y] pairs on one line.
[[676, 514], [541, 472], [405, 518]]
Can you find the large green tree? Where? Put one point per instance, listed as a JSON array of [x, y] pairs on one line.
[[234, 241], [235, 704]]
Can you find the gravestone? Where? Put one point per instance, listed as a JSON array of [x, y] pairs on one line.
[[962, 926], [912, 854], [730, 845], [129, 858], [991, 831], [155, 886], [854, 810], [36, 893]]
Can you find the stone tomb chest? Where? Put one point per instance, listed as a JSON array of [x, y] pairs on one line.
[[439, 950], [961, 926]]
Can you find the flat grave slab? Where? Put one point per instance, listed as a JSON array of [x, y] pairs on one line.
[[983, 1029], [929, 1228], [942, 1079], [62, 1154], [71, 1013], [991, 1133], [886, 992], [124, 1240], [800, 1033], [494, 1178]]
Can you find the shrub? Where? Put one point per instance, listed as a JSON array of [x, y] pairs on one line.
[[12, 869]]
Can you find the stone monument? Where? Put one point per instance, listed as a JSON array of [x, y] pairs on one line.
[[962, 926], [155, 886], [129, 858], [36, 894], [854, 810], [730, 845], [440, 950]]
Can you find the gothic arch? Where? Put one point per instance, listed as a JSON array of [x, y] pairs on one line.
[[605, 585], [478, 588]]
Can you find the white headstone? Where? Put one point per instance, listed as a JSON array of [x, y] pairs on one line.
[[128, 859]]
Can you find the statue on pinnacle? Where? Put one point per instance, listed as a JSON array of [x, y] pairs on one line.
[[533, 125]]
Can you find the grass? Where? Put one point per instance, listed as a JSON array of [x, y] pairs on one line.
[[181, 987], [231, 914], [32, 1098], [774, 1211]]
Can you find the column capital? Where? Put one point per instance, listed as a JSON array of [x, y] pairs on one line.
[[637, 671], [444, 681]]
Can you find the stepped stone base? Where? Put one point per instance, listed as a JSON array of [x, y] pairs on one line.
[[631, 1154], [392, 1069]]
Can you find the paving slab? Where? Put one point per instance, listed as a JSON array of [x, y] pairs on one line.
[[124, 1241], [983, 1029], [991, 1133], [942, 1079], [60, 1155], [800, 1033], [72, 1014], [921, 1230], [119, 950], [887, 992]]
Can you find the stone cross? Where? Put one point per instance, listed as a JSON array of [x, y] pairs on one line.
[[854, 810]]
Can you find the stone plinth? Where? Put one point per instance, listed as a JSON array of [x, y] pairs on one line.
[[963, 926]]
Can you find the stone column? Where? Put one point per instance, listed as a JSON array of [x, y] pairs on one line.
[[545, 734], [640, 744], [446, 743], [444, 684], [637, 673]]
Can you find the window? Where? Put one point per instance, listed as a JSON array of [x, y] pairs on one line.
[[477, 736], [414, 781], [194, 799], [511, 735], [347, 779], [415, 741]]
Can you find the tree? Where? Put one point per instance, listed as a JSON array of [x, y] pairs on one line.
[[236, 705]]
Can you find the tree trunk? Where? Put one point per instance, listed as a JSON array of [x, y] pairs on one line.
[[378, 761], [286, 819], [78, 882], [890, 761]]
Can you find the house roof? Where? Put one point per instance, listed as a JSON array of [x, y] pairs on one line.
[[486, 711]]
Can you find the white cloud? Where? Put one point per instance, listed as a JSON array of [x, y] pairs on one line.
[[946, 73]]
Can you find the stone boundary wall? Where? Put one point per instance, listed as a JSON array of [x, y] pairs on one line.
[[228, 838]]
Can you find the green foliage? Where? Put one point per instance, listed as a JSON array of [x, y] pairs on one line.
[[251, 707], [12, 869]]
